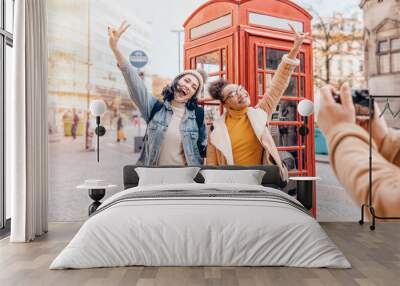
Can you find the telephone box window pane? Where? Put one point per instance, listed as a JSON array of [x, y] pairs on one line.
[[303, 159], [209, 62], [212, 26], [211, 112], [260, 84], [273, 58], [302, 86], [210, 79], [274, 22], [291, 160], [302, 68], [285, 135], [288, 133], [291, 90], [260, 57], [224, 59], [287, 111]]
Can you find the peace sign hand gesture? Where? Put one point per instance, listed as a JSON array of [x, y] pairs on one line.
[[299, 37], [115, 34]]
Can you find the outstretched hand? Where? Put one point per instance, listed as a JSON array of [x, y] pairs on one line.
[[115, 34], [299, 37]]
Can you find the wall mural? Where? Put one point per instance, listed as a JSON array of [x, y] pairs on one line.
[[150, 120]]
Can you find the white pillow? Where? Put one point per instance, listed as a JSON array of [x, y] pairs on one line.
[[248, 177], [166, 176]]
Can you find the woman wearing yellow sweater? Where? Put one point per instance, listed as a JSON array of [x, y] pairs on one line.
[[240, 136]]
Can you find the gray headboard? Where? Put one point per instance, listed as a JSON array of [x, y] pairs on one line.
[[271, 178]]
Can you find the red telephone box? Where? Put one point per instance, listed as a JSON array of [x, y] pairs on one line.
[[243, 41]]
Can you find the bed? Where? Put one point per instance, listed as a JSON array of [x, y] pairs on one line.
[[201, 224]]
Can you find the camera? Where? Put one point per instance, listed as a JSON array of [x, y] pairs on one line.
[[361, 102]]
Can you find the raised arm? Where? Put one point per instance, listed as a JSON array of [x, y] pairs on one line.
[[390, 148], [137, 90], [280, 80], [349, 156]]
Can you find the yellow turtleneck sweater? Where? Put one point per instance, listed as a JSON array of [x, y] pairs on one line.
[[246, 148]]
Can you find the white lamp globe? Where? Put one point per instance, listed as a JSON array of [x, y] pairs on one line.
[[98, 107], [305, 107]]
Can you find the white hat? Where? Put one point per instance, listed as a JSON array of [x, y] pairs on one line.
[[199, 74]]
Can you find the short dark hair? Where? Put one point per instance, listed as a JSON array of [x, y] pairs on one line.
[[216, 87]]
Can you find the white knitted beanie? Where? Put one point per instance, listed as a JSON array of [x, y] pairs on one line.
[[200, 75]]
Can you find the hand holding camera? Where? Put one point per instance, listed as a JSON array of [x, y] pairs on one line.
[[331, 113], [360, 99], [350, 107]]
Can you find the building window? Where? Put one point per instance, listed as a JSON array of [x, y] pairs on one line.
[[395, 51], [384, 63], [383, 46], [388, 53]]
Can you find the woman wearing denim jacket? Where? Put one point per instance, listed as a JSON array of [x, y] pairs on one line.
[[176, 131]]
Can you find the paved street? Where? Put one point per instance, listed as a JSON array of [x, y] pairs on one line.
[[70, 165], [333, 201]]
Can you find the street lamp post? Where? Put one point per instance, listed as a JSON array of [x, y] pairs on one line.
[[178, 31]]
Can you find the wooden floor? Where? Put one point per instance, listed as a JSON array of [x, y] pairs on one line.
[[375, 257]]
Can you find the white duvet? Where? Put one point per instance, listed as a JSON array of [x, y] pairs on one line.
[[200, 231]]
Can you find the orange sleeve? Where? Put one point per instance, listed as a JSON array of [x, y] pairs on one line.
[[390, 148], [349, 155], [280, 82]]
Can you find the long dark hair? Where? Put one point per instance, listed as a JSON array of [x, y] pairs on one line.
[[169, 92]]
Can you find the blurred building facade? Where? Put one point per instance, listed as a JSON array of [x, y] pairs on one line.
[[382, 52], [81, 65], [338, 52]]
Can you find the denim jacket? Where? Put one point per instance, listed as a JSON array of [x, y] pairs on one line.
[[194, 137]]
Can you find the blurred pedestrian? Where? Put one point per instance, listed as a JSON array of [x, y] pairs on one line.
[[74, 126], [120, 129]]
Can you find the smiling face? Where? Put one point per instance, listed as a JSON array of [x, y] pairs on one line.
[[186, 88], [235, 97]]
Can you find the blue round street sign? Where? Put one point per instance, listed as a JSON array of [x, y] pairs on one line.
[[138, 59]]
